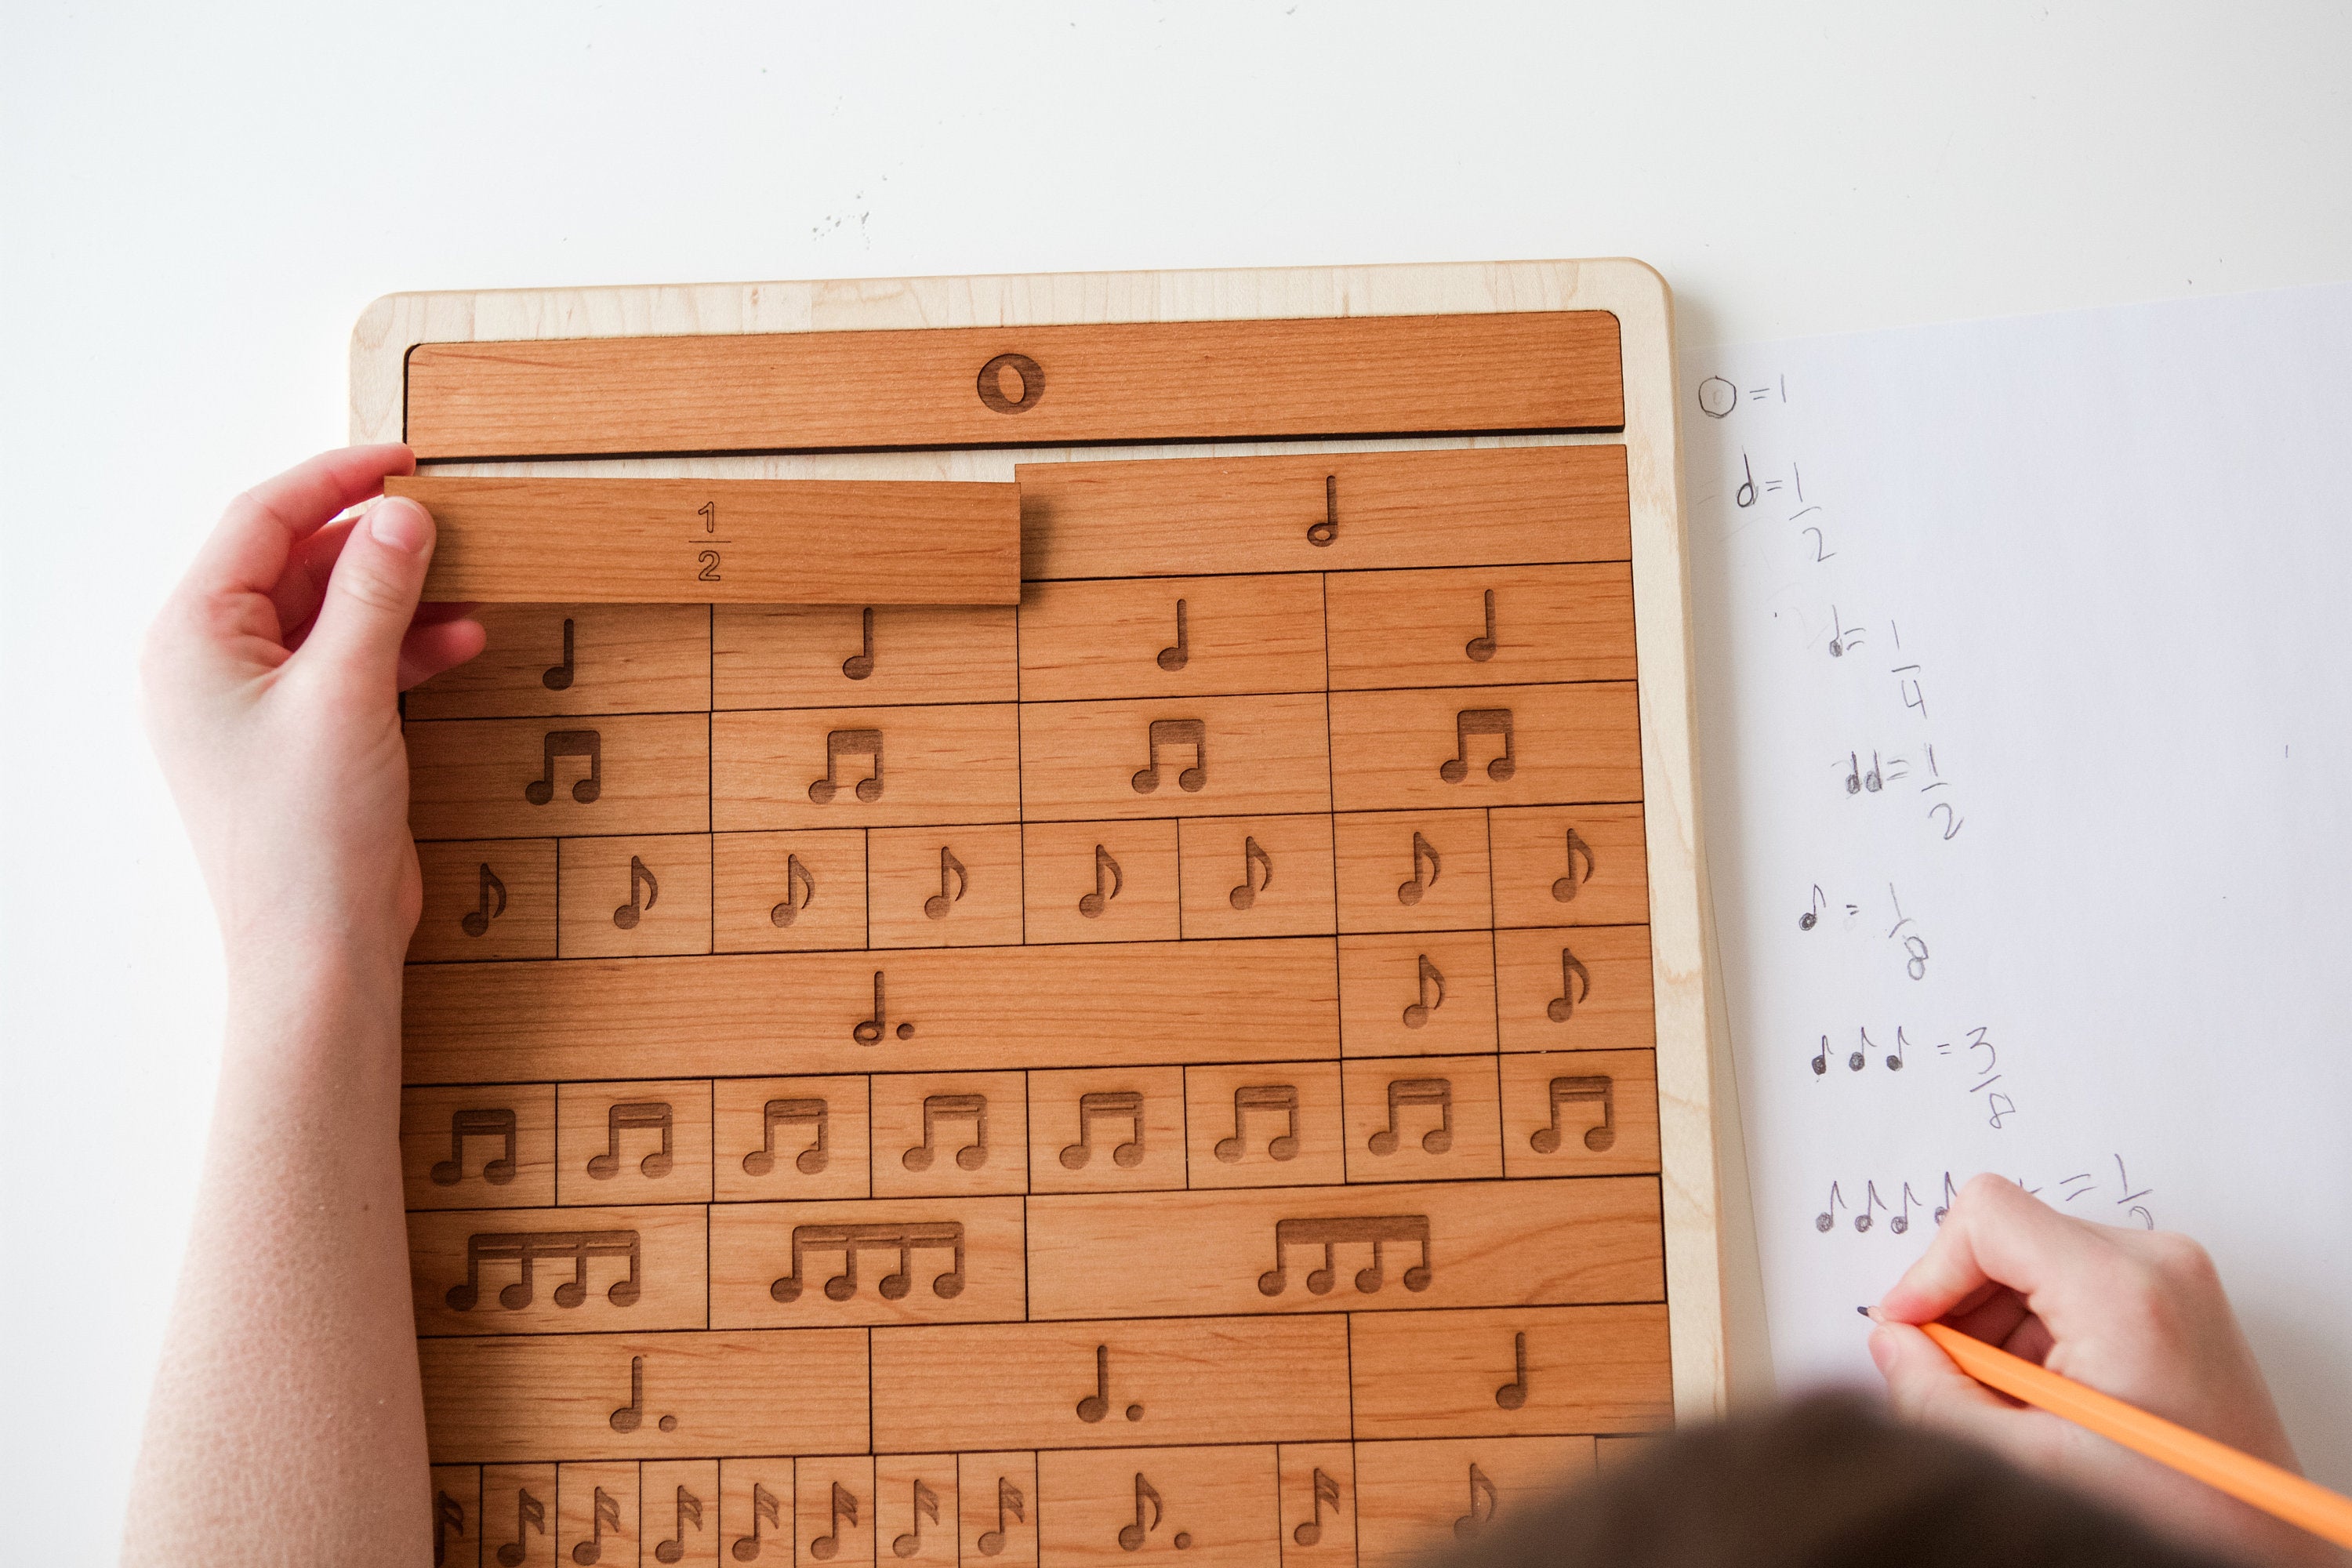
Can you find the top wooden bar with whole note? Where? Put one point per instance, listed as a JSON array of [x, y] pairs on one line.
[[1017, 387]]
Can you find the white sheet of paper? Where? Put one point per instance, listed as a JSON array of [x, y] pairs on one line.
[[2025, 671]]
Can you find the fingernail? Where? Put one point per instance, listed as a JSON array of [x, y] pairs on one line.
[[401, 524], [1882, 1349]]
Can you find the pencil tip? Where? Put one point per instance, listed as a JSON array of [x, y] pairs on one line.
[[1863, 1310]]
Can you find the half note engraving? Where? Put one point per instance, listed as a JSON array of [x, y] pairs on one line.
[[767, 1509], [477, 922], [588, 744], [529, 1514], [926, 1506], [1404, 1091], [1327, 1490], [938, 1107], [1174, 656], [479, 1123], [1258, 875], [840, 744], [797, 880], [1096, 1405], [642, 891], [633, 1116], [860, 664], [605, 1510], [1595, 1089], [1410, 892], [1513, 1395], [1563, 888], [1575, 986], [1430, 995], [826, 1546], [1482, 649], [1092, 1106], [792, 1112], [886, 1236], [869, 1031], [448, 1519], [1008, 1499], [1472, 722], [527, 1250], [1091, 905], [1193, 733], [1321, 534], [558, 676], [1378, 1231], [690, 1511], [1282, 1096], [1132, 1536], [632, 1415], [1470, 1523], [939, 904]]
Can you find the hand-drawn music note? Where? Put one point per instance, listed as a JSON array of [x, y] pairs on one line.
[[840, 744], [1282, 1096], [1410, 892], [1131, 1536], [939, 904], [1092, 1106], [1828, 1217], [1096, 1405], [1902, 1222], [869, 1031], [790, 1113], [766, 1508], [1596, 1090], [1870, 1200], [558, 676], [1942, 1208], [1472, 722], [605, 1509], [1482, 649], [940, 1108], [525, 1248], [690, 1511], [1008, 1498], [1416, 1012], [477, 922], [926, 1505], [1470, 1523], [1512, 1395], [1252, 858], [1173, 657], [529, 1514], [477, 1123], [632, 1415], [633, 1116], [1310, 1531], [448, 1519], [1563, 888], [1091, 904], [826, 1546], [1330, 1234], [860, 664], [1812, 915], [586, 743], [1320, 534], [1193, 733], [1575, 986], [1404, 1091], [628, 914], [886, 1236], [1822, 1059], [796, 878]]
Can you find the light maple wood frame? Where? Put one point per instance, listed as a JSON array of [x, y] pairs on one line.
[[1693, 1051]]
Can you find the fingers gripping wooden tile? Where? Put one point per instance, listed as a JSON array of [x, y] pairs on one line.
[[1414, 1497], [915, 1509], [632, 897], [577, 658], [1168, 1506], [791, 1138], [1230, 870], [457, 1516], [1192, 757], [632, 1142], [944, 886], [518, 1516], [1413, 871], [825, 1265], [1493, 626], [1511, 1370], [825, 655], [681, 1522], [755, 1510], [1267, 1124], [1570, 866], [997, 1500], [1417, 994], [1420, 1118], [479, 1146], [949, 1132], [1171, 636], [787, 892], [486, 900], [597, 1520], [1102, 1129], [864, 767], [504, 778], [1579, 1113], [1495, 745], [832, 1511], [1099, 881], [562, 1271], [1587, 989]]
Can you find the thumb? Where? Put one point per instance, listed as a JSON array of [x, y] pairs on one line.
[[1924, 1384], [372, 597]]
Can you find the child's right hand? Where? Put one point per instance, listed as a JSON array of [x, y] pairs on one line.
[[2137, 1315]]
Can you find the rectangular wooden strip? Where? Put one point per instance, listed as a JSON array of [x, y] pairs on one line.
[[1099, 881], [721, 541], [1264, 1124], [576, 658], [1570, 866], [865, 767], [514, 778], [755, 1507], [1423, 1119], [681, 1512], [1418, 1497], [949, 1134], [1507, 506], [485, 900], [1203, 756], [798, 891], [1319, 1505], [518, 1510], [478, 1146], [1201, 1380], [1586, 989], [921, 1010], [634, 896], [996, 1494], [1256, 875], [1579, 1113], [639, 1142], [1414, 870], [832, 1511], [915, 1509], [1171, 636], [944, 886], [1157, 1508], [884, 1260], [823, 656], [457, 1516], [1497, 745], [1519, 1370], [557, 1271], [1442, 1243], [789, 1138], [1482, 626], [1413, 994], [1000, 386], [599, 1517]]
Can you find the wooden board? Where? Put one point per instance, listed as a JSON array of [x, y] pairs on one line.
[[1249, 997]]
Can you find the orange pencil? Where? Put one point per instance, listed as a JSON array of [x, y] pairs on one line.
[[2283, 1493]]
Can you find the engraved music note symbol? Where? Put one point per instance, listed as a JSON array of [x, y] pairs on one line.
[[840, 744], [826, 1546], [632, 1415], [1282, 1096], [1472, 722], [1252, 858], [529, 1514], [1131, 1536], [449, 1517], [860, 664], [940, 1108], [558, 676], [477, 1123], [1008, 1496], [1193, 733], [588, 744], [1330, 1234], [1126, 1103], [1593, 1091], [790, 1113], [1416, 1012], [1096, 1405], [926, 1505], [477, 922], [605, 1509], [1320, 534], [1470, 1523], [1514, 1394], [796, 877], [766, 1509], [939, 904], [1310, 1531], [1172, 659], [642, 891], [525, 1248], [876, 1236], [1410, 892], [633, 1116], [1575, 986], [1404, 1091], [1563, 888], [1091, 904], [690, 1511], [869, 1031], [1482, 649]]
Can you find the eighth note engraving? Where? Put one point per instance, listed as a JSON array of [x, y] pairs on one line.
[[1173, 657], [1470, 1523], [1008, 1496], [1193, 733], [1282, 1096], [1482, 649], [860, 664], [637, 1116], [925, 1505], [529, 1514], [1597, 1090], [869, 1031], [477, 922], [640, 899], [477, 1123], [1253, 858], [840, 744], [1096, 1405], [1512, 1395], [605, 1509], [1472, 722], [1410, 892], [790, 1113], [1575, 986], [938, 1107], [1329, 1234], [690, 1511], [588, 744], [558, 676], [1310, 1531], [796, 879], [1416, 1012], [766, 1509], [939, 904], [1404, 1091], [1126, 1103], [1091, 904], [1563, 888]]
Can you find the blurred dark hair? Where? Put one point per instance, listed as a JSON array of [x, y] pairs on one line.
[[1826, 1482]]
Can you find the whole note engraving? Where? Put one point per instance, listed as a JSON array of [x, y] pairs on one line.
[[1132, 1536], [1410, 892], [840, 744], [1470, 1523], [690, 1511], [632, 1415], [1321, 534], [1482, 649], [1282, 1096], [605, 1509], [1480, 721], [1404, 1091], [886, 1236], [585, 743], [1378, 1231], [479, 1123], [448, 1519], [793, 1113], [1563, 888], [1327, 1490], [558, 676], [869, 1031], [477, 921], [633, 1116], [926, 1506], [1575, 986], [526, 1249], [1173, 657], [1092, 1106], [529, 1514], [938, 1107], [1512, 1395], [826, 1546], [1091, 905], [1581, 1090], [1193, 733], [1417, 1012], [860, 664], [642, 891], [767, 1509], [1024, 370], [1096, 1405], [797, 880], [939, 904], [1008, 1499], [1253, 860]]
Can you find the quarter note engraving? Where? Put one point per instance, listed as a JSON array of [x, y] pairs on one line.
[[1583, 1091], [1096, 1405], [1575, 986], [642, 891], [1417, 1012], [1282, 1096], [1327, 1490], [1193, 733], [797, 881], [793, 1113], [1482, 649], [886, 1236], [633, 1116], [826, 1546], [1512, 1395], [477, 921], [766, 1509], [632, 1415], [940, 1108], [1332, 1233], [1174, 656], [860, 664], [1321, 534], [477, 1123], [525, 1249], [606, 1510], [869, 1031], [448, 1519], [1253, 860], [1131, 1536], [1404, 1091], [1091, 904], [840, 744], [1410, 892], [690, 1511], [1095, 1105], [1563, 888], [558, 676], [1470, 1523], [926, 1506], [939, 904], [1472, 722], [529, 1514], [585, 743], [1008, 1498]]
